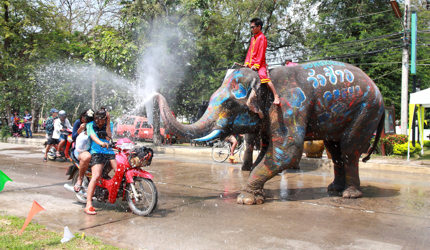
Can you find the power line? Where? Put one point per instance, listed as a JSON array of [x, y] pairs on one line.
[[386, 74], [316, 25], [365, 39]]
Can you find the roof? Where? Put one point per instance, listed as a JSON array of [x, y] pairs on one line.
[[421, 97]]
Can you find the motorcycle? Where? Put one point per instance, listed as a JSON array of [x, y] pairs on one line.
[[129, 181], [67, 149]]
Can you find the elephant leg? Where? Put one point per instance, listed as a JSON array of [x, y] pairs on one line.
[[247, 157], [282, 152], [338, 185], [352, 145]]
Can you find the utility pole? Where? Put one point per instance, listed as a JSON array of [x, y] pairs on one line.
[[405, 72]]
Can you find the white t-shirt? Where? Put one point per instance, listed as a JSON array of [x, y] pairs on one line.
[[58, 127]]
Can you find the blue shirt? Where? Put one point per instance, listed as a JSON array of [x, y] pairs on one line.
[[76, 126], [96, 148]]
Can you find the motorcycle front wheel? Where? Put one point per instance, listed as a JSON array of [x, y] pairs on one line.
[[85, 181], [146, 199]]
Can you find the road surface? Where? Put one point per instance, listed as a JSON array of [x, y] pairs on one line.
[[197, 207]]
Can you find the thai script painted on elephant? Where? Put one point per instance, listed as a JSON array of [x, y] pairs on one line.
[[343, 92], [332, 76], [320, 63]]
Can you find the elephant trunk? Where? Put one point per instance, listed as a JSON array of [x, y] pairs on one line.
[[200, 128]]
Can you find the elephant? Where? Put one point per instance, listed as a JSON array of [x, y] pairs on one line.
[[321, 100]]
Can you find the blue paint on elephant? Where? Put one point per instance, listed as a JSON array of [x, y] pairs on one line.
[[349, 76], [341, 74], [297, 97], [357, 89], [322, 118], [240, 92], [343, 91], [328, 96], [301, 132], [222, 122], [330, 73], [282, 131], [336, 94], [339, 108], [236, 75], [243, 119], [322, 80]]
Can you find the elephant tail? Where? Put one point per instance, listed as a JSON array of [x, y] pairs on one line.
[[377, 137]]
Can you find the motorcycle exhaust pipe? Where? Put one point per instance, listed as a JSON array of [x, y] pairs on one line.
[[70, 188]]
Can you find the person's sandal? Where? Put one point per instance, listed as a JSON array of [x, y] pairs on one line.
[[231, 159], [44, 159], [90, 211], [77, 188]]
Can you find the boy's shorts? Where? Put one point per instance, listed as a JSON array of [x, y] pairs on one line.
[[62, 137], [101, 158], [231, 139]]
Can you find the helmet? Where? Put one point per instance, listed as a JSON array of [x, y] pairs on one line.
[[54, 110], [62, 113]]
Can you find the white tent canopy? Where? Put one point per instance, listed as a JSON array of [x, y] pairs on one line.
[[422, 97]]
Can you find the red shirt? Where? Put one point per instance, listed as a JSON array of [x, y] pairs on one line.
[[257, 51]]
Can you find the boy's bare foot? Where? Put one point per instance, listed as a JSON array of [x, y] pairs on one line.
[[277, 101]]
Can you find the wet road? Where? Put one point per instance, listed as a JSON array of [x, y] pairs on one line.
[[197, 207]]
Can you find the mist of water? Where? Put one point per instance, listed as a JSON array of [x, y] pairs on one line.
[[156, 66]]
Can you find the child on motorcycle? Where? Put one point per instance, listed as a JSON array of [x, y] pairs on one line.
[[60, 127], [84, 157], [100, 131]]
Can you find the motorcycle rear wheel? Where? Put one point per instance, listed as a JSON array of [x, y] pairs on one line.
[[85, 181], [147, 193]]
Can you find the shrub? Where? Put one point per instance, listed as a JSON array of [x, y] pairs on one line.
[[402, 149], [426, 144], [5, 132], [391, 140]]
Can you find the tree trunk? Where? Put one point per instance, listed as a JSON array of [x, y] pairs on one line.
[[8, 116], [157, 137]]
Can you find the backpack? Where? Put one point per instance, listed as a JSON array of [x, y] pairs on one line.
[[49, 125]]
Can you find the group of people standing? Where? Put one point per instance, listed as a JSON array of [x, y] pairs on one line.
[[17, 122]]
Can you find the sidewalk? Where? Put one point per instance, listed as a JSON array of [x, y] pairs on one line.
[[375, 163]]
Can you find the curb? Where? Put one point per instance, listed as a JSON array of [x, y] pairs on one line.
[[305, 162]]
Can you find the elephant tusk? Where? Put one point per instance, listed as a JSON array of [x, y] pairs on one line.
[[210, 136]]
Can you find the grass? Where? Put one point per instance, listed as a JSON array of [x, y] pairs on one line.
[[38, 237], [426, 155]]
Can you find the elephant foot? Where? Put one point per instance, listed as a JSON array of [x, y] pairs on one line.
[[352, 193], [246, 167], [250, 197], [335, 187]]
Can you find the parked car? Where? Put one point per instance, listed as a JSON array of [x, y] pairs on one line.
[[135, 127]]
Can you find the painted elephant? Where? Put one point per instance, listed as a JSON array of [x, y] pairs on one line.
[[322, 100]]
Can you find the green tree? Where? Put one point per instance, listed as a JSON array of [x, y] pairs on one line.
[[365, 34]]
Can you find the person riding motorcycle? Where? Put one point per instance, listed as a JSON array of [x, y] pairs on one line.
[[60, 127], [100, 131], [80, 152]]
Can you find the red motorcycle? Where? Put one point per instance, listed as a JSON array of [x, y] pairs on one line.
[[129, 182]]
